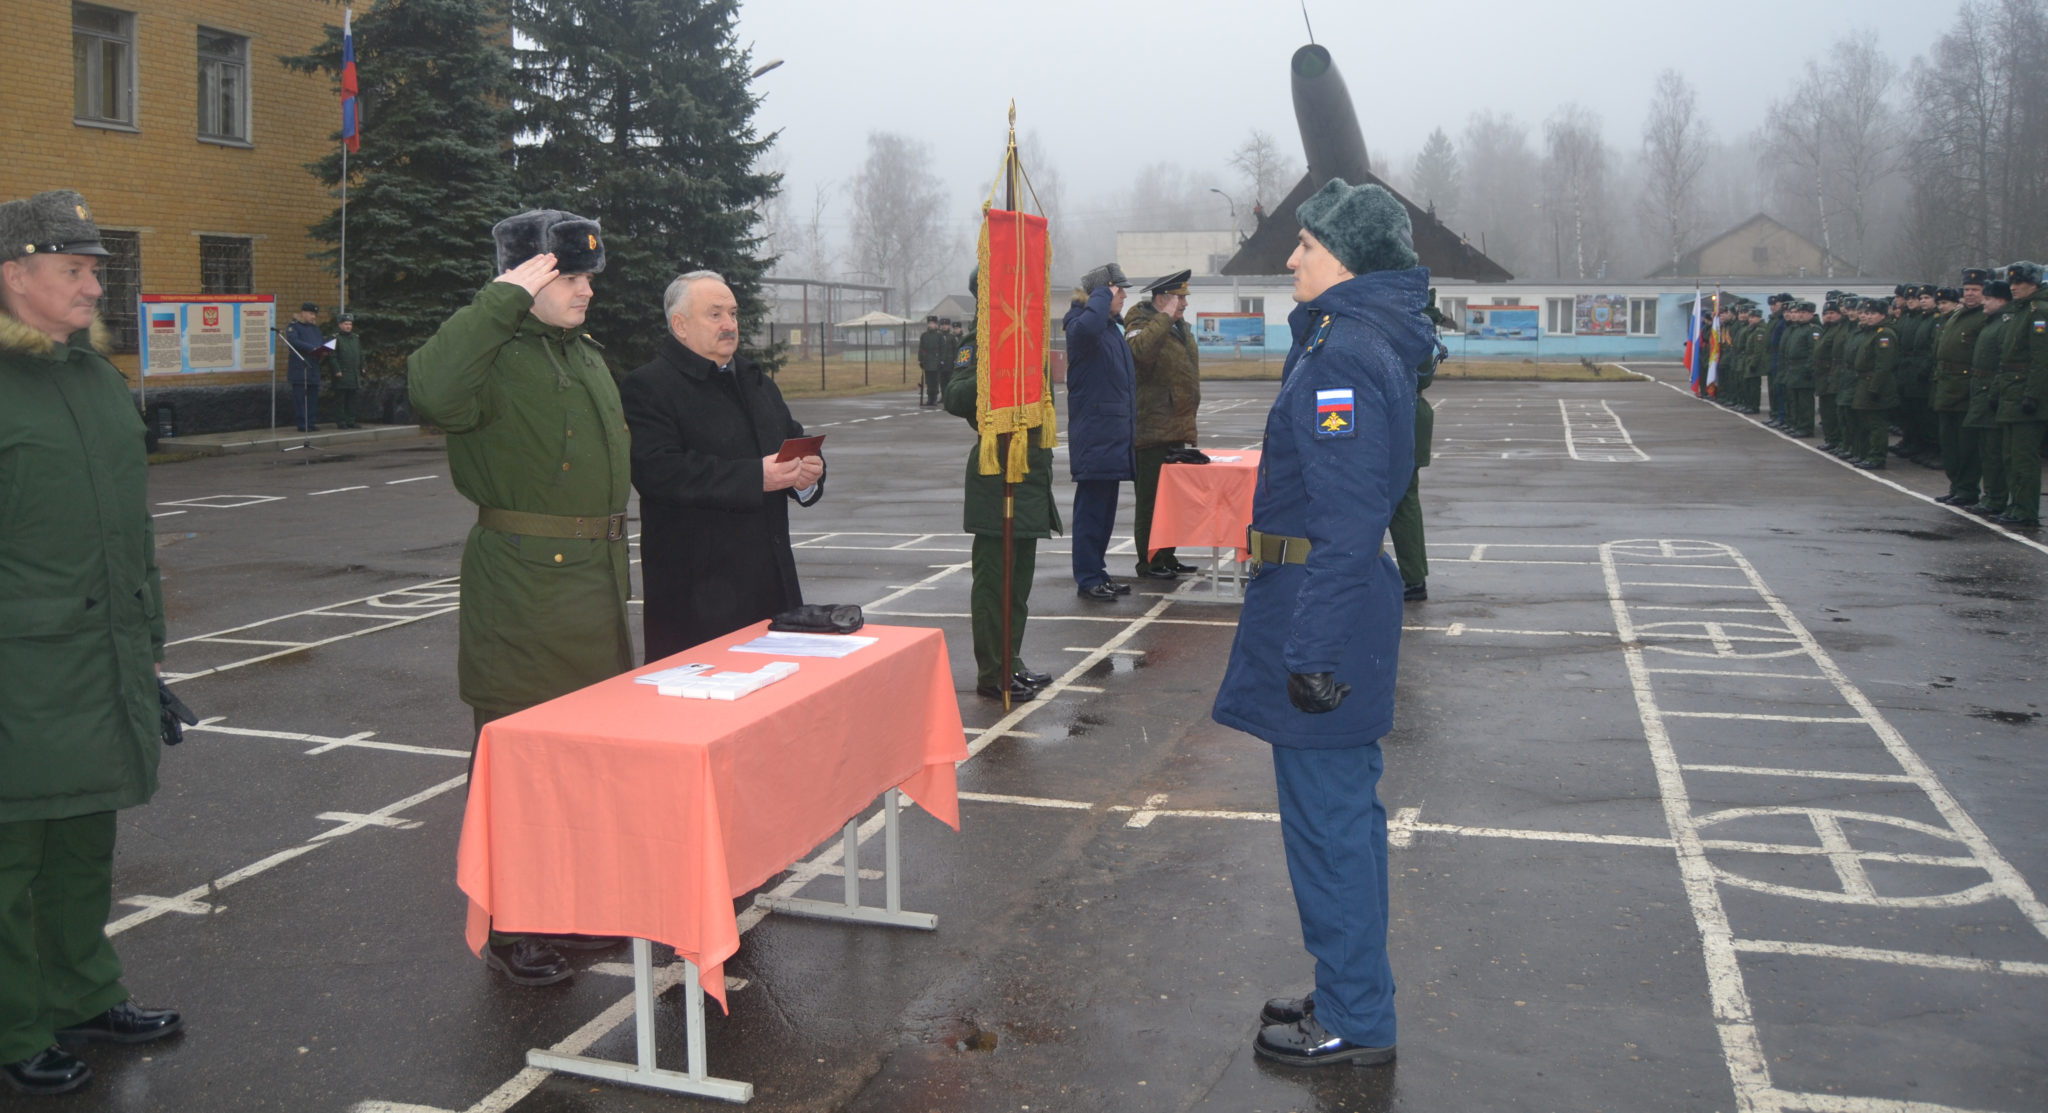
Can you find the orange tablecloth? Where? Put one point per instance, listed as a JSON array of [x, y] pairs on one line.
[[615, 810], [1206, 505]]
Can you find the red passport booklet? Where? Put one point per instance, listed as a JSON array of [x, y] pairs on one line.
[[797, 448]]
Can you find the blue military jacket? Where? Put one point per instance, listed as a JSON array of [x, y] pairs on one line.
[[1102, 393], [1339, 451], [303, 351]]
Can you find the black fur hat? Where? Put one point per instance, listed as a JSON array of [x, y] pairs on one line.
[[577, 244]]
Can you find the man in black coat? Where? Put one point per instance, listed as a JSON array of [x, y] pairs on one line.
[[714, 501]]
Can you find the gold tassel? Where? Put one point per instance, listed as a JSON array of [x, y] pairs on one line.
[[1020, 458]]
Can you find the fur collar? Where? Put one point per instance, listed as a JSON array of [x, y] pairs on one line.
[[18, 337]]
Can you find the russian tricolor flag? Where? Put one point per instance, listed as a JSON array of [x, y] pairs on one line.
[[349, 131]]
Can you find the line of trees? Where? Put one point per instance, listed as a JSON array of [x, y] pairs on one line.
[[635, 113]]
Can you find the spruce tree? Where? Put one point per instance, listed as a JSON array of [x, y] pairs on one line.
[[637, 114], [435, 169]]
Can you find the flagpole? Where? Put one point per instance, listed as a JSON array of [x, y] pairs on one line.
[[1003, 447], [341, 275]]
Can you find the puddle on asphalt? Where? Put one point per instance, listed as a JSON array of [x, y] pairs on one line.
[[2011, 718]]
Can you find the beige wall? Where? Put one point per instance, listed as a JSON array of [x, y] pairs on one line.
[[160, 179], [1784, 254]]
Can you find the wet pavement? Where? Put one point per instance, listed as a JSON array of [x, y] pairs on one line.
[[1716, 785]]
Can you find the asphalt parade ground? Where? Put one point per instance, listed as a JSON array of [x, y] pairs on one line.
[[1716, 785]]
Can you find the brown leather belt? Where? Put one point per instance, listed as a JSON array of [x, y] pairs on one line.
[[609, 528]]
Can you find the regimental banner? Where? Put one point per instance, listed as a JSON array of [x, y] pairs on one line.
[[205, 333], [1601, 315], [1014, 260]]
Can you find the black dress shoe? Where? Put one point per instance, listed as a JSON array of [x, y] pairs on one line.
[[527, 961], [1152, 573], [1101, 593], [126, 1022], [1019, 691], [586, 942], [1962, 503], [1024, 675], [1306, 1043], [1983, 511], [1415, 593], [1180, 569], [49, 1071], [1287, 1010], [1120, 589]]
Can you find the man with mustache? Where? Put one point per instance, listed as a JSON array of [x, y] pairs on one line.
[[714, 501], [536, 439], [81, 630]]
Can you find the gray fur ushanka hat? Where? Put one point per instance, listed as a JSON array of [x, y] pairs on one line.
[[1363, 226], [577, 244]]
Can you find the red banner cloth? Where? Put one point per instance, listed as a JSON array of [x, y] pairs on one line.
[[1206, 505], [615, 810], [1014, 289]]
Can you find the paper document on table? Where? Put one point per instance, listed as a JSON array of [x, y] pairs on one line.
[[1215, 459], [727, 685], [805, 645], [670, 676]]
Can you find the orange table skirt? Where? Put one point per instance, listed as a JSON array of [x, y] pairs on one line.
[[1206, 505], [615, 810]]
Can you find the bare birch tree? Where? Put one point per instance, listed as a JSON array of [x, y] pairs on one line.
[[1675, 146], [1575, 185], [1498, 199], [898, 235]]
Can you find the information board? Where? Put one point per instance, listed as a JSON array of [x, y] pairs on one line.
[[206, 333], [1246, 330]]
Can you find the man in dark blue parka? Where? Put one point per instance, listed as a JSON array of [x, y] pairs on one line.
[[1312, 668], [1102, 422]]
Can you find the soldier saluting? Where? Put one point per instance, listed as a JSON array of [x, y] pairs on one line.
[[537, 440]]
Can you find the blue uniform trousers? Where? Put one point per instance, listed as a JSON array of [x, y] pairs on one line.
[[306, 404], [1094, 517], [1335, 831]]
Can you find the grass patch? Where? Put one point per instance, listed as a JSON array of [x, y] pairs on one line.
[[843, 378]]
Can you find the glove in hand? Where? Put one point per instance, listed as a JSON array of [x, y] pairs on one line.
[[1316, 692]]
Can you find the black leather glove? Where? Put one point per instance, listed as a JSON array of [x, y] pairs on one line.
[[176, 716], [1316, 692], [2028, 406]]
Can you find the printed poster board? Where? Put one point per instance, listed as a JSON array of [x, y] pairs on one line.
[[195, 334], [1601, 315], [1503, 322], [1246, 330]]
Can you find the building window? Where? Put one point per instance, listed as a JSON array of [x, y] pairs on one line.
[[1252, 305], [1453, 310], [227, 265], [102, 66], [1760, 254], [120, 283], [223, 86], [1562, 314], [1642, 316]]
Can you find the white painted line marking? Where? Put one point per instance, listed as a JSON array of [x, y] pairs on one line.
[[356, 821], [414, 479], [1895, 958], [1028, 801], [225, 502], [180, 905], [338, 490], [324, 744], [1761, 718], [1821, 774], [168, 514]]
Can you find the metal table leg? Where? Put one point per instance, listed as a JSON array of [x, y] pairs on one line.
[[850, 908], [643, 1072]]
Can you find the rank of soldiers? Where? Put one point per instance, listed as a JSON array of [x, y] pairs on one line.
[[1959, 372]]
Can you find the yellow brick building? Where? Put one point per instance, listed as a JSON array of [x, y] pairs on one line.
[[187, 137]]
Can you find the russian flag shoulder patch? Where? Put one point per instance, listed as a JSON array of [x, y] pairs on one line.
[[1335, 416]]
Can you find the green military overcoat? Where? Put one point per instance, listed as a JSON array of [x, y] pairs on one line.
[[1037, 514], [348, 361], [1916, 330], [81, 608], [1827, 358], [1169, 371], [1875, 363], [534, 425], [2023, 362], [1795, 355], [1983, 410], [1954, 344]]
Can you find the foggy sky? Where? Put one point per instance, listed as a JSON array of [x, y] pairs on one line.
[[1112, 87]]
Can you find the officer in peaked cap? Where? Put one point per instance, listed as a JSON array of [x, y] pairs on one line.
[[2022, 389], [537, 439], [79, 705], [1961, 322], [1169, 377], [934, 358]]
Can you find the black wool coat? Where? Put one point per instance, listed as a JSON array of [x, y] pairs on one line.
[[714, 547]]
